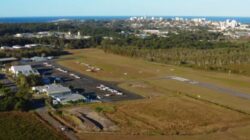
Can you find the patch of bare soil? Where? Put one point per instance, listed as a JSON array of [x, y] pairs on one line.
[[93, 121]]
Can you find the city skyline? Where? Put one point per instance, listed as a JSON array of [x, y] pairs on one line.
[[46, 8]]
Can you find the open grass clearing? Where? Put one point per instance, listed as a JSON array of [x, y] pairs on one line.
[[115, 66], [241, 133], [167, 109], [142, 77], [173, 116]]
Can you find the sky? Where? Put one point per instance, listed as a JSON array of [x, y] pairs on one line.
[[29, 8]]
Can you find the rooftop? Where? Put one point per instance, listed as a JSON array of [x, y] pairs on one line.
[[69, 97], [53, 89], [23, 69], [8, 59]]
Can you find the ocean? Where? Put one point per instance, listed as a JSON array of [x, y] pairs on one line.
[[245, 20]]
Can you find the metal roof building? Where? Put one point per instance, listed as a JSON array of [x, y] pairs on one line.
[[52, 89], [7, 60], [59, 93], [23, 69], [65, 99]]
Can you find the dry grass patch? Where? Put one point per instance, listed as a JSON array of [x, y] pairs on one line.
[[173, 115], [141, 77], [167, 112], [25, 126]]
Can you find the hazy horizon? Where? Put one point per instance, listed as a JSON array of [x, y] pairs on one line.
[[55, 8], [124, 16]]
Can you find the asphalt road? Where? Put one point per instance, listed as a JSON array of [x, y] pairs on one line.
[[43, 113]]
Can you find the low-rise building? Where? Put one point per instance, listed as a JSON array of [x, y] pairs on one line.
[[7, 60], [6, 48], [17, 47], [156, 32], [38, 59], [59, 93], [30, 45], [26, 70], [66, 99], [52, 90]]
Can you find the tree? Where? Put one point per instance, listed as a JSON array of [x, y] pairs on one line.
[[28, 81]]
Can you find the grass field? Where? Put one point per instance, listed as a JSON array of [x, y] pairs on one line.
[[167, 108], [25, 126], [173, 116], [241, 133]]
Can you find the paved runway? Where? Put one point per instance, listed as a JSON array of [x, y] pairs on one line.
[[210, 86]]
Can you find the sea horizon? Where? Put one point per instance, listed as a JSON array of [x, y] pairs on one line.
[[47, 19]]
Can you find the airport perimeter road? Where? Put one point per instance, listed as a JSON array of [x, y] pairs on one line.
[[43, 113]]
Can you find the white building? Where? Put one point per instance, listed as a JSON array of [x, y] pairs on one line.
[[151, 32], [86, 37], [17, 47], [65, 99], [232, 23], [6, 48], [30, 45], [79, 34], [18, 35], [24, 69]]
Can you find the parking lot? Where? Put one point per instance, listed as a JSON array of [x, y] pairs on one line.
[[89, 87]]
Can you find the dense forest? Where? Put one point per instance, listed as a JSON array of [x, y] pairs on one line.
[[185, 39], [27, 53], [90, 27], [219, 59]]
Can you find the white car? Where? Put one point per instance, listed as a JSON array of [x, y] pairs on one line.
[[77, 77], [107, 95], [63, 128], [119, 93]]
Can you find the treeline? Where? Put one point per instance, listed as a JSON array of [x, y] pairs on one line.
[[199, 49], [10, 29], [100, 28], [185, 39], [96, 29], [21, 100], [52, 41], [27, 53], [90, 27], [14, 101], [11, 41], [72, 43], [219, 59]]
